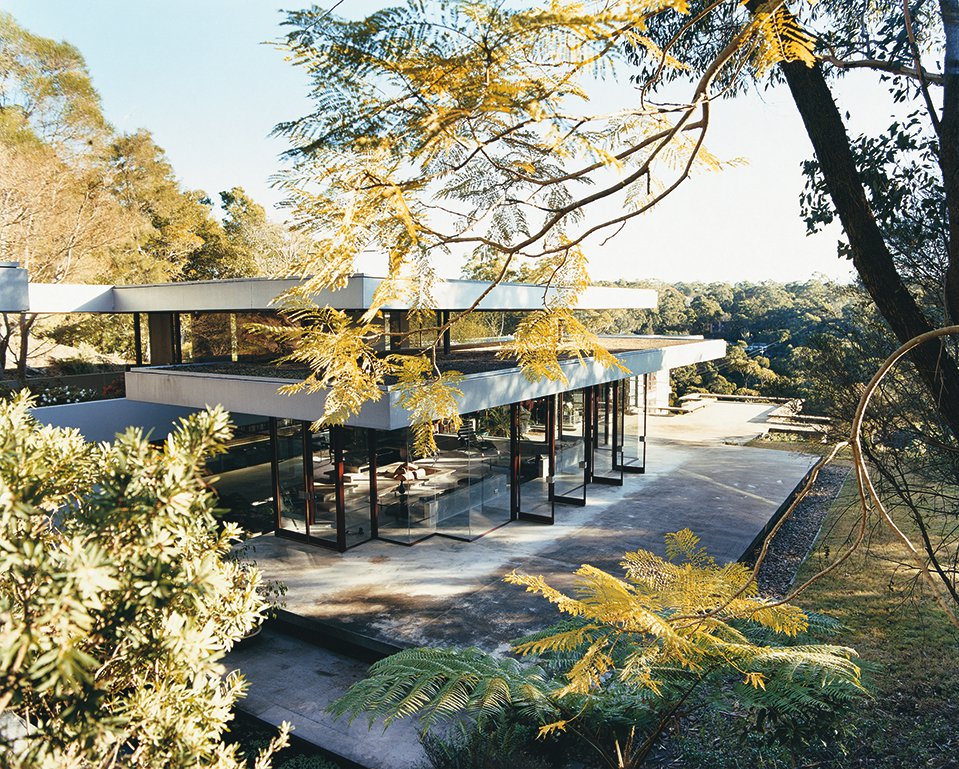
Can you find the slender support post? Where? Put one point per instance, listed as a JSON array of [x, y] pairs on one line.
[[137, 339], [308, 476], [447, 334], [336, 434], [371, 438], [177, 339], [515, 460], [275, 474]]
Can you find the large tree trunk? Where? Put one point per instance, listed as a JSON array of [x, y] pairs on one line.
[[949, 148], [871, 257]]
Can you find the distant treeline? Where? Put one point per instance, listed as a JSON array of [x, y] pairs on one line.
[[814, 340]]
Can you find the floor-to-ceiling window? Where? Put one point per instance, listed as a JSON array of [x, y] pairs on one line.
[[607, 434], [322, 469], [463, 491], [533, 433], [359, 477], [291, 478], [633, 400], [470, 474], [569, 478], [243, 478], [403, 498]]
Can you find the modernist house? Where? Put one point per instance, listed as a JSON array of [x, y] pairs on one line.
[[526, 448]]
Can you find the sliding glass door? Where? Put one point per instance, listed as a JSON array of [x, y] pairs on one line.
[[606, 435], [572, 428]]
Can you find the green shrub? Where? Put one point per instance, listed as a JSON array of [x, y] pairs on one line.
[[494, 745]]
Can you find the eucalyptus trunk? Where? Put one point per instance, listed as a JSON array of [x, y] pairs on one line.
[[949, 148], [870, 255]]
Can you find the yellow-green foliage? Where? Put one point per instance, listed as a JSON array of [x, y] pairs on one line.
[[675, 633], [780, 37], [544, 337], [118, 600], [428, 396], [340, 356], [464, 127]]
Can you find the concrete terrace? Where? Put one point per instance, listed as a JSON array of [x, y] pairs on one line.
[[443, 591], [447, 592]]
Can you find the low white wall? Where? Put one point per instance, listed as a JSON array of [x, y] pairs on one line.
[[493, 388]]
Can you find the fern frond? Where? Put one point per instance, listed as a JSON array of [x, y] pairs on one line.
[[436, 684], [428, 396]]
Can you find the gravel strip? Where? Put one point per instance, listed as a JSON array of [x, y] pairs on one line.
[[794, 541]]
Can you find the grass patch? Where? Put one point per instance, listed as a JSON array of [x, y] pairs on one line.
[[908, 649], [783, 442]]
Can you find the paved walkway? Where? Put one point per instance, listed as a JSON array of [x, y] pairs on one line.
[[444, 592]]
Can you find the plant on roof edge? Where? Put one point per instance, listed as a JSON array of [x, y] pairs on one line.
[[635, 655]]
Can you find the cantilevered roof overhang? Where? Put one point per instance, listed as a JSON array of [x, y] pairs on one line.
[[192, 386], [258, 294]]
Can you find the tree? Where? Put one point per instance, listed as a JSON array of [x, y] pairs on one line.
[[884, 190], [672, 636], [61, 222], [58, 216], [459, 126], [259, 246], [117, 598], [179, 223], [45, 85]]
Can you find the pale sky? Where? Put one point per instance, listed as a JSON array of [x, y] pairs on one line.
[[198, 75]]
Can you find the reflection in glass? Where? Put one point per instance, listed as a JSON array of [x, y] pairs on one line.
[[469, 476], [570, 474], [289, 449], [634, 424], [463, 491], [323, 523], [243, 478], [400, 485], [356, 484], [533, 447], [607, 434]]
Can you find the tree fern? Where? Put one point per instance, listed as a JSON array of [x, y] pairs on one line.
[[634, 653]]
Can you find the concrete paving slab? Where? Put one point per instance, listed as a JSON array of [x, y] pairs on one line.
[[404, 596], [294, 681], [446, 592]]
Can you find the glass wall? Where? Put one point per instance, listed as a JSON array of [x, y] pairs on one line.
[[633, 400], [469, 478], [291, 479], [463, 491], [243, 478], [255, 345], [406, 514], [207, 336], [508, 462], [534, 450], [569, 481], [607, 434], [323, 523], [356, 484]]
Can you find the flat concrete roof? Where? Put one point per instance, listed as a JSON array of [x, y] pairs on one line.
[[495, 383], [258, 294]]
